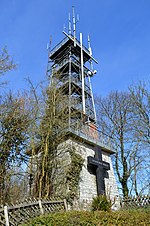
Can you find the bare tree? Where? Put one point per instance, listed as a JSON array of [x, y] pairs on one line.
[[6, 62], [49, 119], [115, 114], [140, 98]]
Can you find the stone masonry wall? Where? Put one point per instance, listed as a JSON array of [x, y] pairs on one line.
[[87, 185], [110, 183]]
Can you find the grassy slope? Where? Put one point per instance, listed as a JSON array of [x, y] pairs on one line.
[[84, 218]]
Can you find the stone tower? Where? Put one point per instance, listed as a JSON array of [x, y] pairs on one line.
[[70, 68]]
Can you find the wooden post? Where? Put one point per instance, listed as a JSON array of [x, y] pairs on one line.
[[65, 204], [41, 208], [6, 215]]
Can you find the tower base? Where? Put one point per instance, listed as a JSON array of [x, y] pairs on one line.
[[76, 182]]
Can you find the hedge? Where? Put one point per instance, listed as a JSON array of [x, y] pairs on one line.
[[97, 218]]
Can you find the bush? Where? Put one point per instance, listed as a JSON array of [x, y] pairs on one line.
[[101, 203]]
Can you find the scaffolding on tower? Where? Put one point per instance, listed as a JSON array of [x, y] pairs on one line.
[[70, 68]]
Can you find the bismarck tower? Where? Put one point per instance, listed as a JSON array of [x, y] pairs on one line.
[[84, 167]]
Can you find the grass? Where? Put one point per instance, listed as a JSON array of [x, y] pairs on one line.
[[97, 218]]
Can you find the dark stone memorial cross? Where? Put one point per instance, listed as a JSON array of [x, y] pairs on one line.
[[101, 168]]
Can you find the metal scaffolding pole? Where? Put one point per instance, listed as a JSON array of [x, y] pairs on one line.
[[82, 76]]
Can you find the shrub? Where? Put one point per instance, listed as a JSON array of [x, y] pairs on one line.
[[101, 203], [96, 218]]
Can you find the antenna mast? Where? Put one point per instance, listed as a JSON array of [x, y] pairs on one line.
[[69, 25], [74, 25], [92, 69], [89, 45], [82, 75]]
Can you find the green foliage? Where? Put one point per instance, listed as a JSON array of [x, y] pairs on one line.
[[101, 203], [14, 123], [97, 218], [73, 174]]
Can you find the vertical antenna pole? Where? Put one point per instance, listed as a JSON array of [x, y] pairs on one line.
[[89, 45], [69, 27], [82, 75], [49, 75], [69, 88], [74, 25], [90, 50], [92, 98]]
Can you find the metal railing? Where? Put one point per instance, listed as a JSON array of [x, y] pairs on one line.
[[92, 135], [58, 46], [64, 41]]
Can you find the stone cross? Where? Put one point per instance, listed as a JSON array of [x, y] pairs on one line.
[[101, 168]]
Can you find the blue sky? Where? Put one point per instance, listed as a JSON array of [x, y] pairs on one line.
[[119, 31]]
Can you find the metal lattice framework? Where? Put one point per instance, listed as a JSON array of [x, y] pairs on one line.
[[70, 69]]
